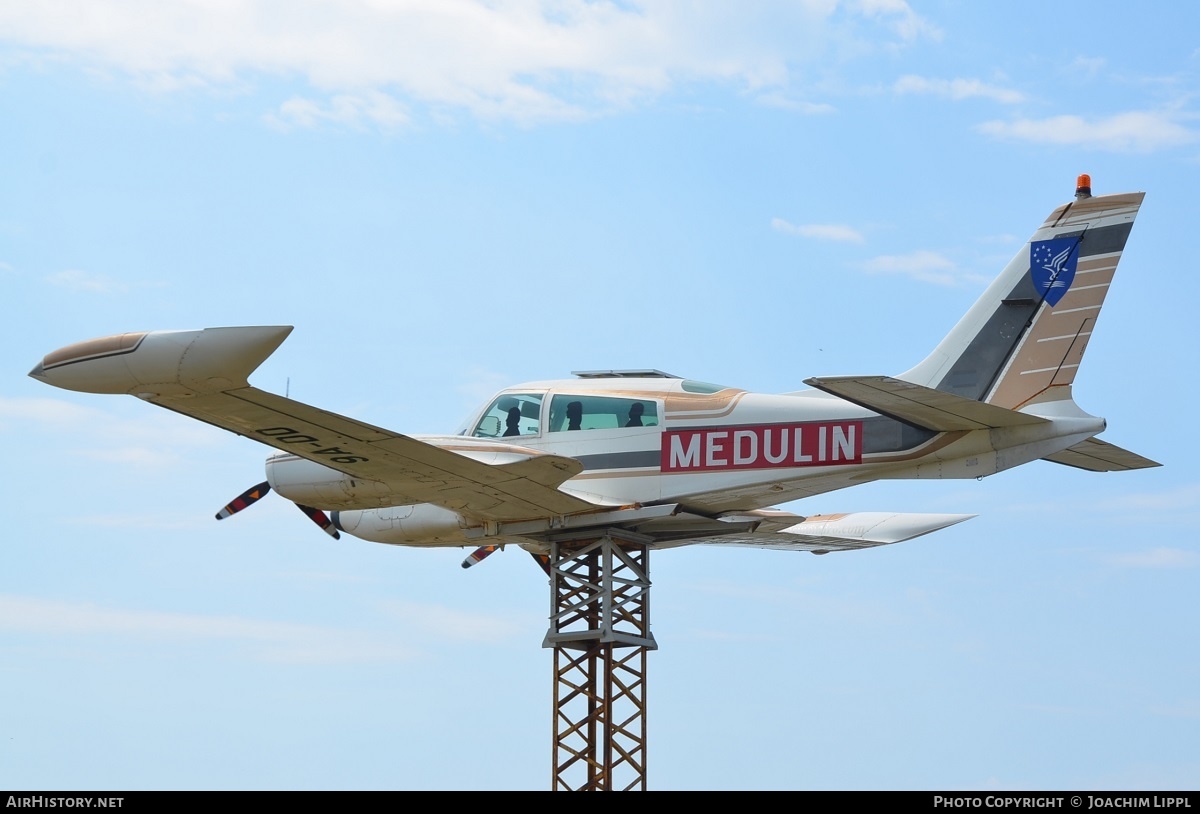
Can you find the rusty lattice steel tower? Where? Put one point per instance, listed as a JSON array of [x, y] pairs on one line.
[[600, 632]]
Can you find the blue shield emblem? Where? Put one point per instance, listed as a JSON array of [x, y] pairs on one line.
[[1052, 265]]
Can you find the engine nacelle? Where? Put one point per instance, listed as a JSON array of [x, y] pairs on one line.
[[420, 524], [311, 484]]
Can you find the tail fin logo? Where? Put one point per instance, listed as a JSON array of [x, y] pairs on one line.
[[1052, 265]]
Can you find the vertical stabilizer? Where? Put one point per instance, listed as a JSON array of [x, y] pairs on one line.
[[1023, 340]]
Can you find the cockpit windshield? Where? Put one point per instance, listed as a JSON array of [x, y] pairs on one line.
[[512, 414]]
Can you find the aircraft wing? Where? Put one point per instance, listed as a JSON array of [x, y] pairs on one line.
[[920, 405], [203, 374], [1095, 455], [822, 533], [414, 471]]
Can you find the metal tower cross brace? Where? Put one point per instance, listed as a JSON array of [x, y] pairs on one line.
[[600, 632]]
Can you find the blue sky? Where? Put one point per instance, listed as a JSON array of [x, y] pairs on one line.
[[447, 199]]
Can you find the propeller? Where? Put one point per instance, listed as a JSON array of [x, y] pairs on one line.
[[321, 519], [246, 498], [543, 560], [479, 555], [257, 493], [483, 552]]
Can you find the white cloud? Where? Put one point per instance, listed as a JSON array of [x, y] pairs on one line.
[[820, 231], [1135, 131], [272, 641], [1188, 709], [900, 17], [519, 60], [76, 280], [53, 412], [1180, 498], [735, 637], [443, 622], [957, 89], [154, 522], [926, 266], [478, 384], [1157, 558], [147, 438], [1003, 239], [1089, 65], [139, 457], [809, 602], [372, 108], [784, 102]]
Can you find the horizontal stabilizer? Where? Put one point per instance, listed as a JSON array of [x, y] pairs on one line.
[[918, 405], [1095, 455], [822, 533]]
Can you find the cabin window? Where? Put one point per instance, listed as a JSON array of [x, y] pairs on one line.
[[693, 386], [511, 415], [569, 412]]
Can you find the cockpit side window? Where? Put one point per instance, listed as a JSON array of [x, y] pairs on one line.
[[511, 415], [569, 412]]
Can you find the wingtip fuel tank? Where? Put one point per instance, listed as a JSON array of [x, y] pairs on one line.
[[153, 363]]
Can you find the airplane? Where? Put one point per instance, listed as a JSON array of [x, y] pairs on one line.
[[678, 461]]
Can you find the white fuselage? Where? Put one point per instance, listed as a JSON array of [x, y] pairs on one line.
[[713, 452]]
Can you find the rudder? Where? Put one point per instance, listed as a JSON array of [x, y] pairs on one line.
[[1023, 340]]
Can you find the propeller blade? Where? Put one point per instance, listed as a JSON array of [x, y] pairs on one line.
[[479, 555], [321, 519], [246, 498], [483, 552], [542, 560]]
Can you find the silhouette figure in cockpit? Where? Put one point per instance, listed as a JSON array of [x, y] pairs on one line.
[[574, 415], [513, 422]]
